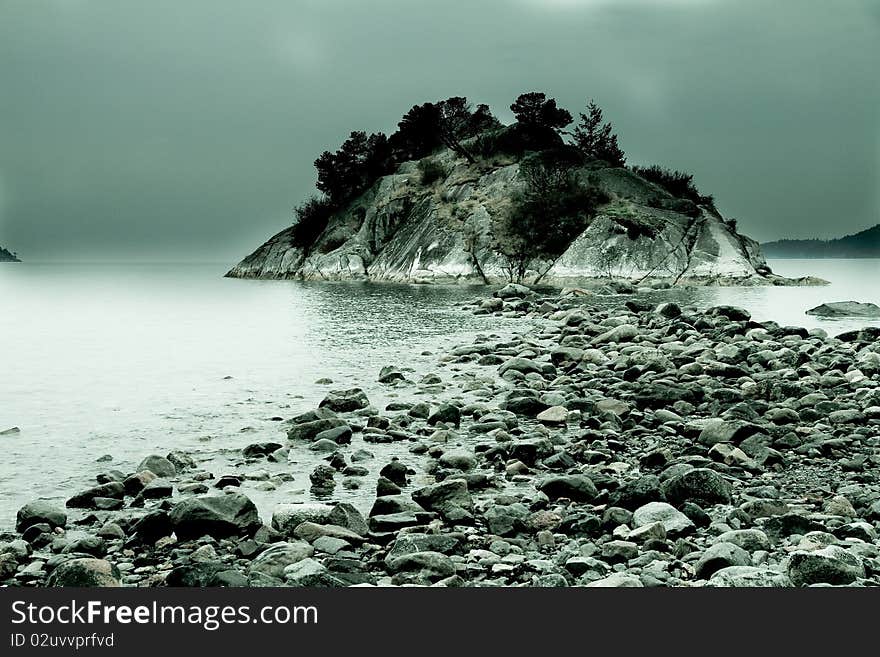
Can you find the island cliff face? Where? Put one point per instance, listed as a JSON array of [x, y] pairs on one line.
[[6, 256], [404, 230]]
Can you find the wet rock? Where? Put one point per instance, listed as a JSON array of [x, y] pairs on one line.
[[40, 511], [617, 580], [506, 519], [578, 488], [322, 476], [135, 483], [286, 517], [232, 514], [458, 459], [87, 498], [633, 494], [259, 450], [157, 489], [554, 415], [204, 574], [721, 555], [152, 526], [750, 540], [345, 401], [674, 521], [390, 374], [84, 572], [449, 498], [428, 565], [831, 565], [748, 576], [446, 413], [307, 431], [522, 365], [347, 516], [700, 485], [395, 471], [273, 560], [181, 461], [158, 465], [309, 572]]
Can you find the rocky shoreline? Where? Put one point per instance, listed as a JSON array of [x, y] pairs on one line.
[[613, 444]]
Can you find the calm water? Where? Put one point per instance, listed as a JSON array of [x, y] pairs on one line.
[[129, 360]]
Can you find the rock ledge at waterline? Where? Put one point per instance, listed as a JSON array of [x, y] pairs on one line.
[[402, 230]]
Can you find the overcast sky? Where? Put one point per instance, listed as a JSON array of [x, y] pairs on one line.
[[178, 129]]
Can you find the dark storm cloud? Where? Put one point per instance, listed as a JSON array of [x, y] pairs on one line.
[[188, 128]]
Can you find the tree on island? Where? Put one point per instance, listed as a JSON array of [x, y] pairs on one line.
[[429, 126], [596, 139], [535, 110], [553, 208]]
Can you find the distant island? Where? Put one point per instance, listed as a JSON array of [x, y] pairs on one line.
[[6, 256], [455, 195], [864, 244]]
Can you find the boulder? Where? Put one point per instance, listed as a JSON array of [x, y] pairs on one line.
[[40, 511], [830, 565], [309, 430], [576, 487], [617, 580], [748, 576], [450, 498], [553, 415], [345, 401], [446, 413], [286, 517], [273, 560], [700, 485], [87, 498], [721, 555], [84, 572], [428, 565], [674, 521], [232, 514], [158, 465]]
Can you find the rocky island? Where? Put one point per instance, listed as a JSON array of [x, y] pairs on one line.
[[455, 196], [612, 442], [7, 256]]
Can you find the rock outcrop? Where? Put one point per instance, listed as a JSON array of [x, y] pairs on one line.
[[401, 229], [846, 309], [6, 256]]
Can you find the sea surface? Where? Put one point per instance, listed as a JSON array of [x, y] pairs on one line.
[[126, 360]]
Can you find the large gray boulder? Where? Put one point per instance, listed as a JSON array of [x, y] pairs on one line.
[[287, 517], [158, 465], [273, 560], [84, 572], [232, 514], [700, 485], [40, 511], [576, 487], [748, 576], [830, 565], [345, 401], [674, 521]]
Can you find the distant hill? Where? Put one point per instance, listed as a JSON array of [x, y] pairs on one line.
[[6, 256], [865, 244]]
